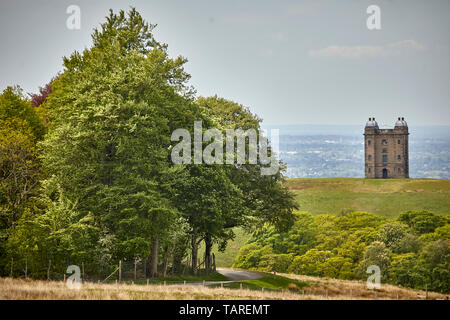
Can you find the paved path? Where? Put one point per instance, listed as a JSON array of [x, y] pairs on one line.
[[232, 274], [237, 275]]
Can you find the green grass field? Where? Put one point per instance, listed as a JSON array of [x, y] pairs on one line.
[[388, 197]]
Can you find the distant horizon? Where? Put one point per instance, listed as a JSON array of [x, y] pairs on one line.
[[343, 125], [416, 131]]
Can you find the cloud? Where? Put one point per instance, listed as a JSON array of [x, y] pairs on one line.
[[357, 52]]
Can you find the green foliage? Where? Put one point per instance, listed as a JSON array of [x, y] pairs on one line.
[[275, 262], [250, 255], [112, 112], [392, 234], [13, 105], [405, 270], [344, 246], [422, 221], [375, 254], [265, 199], [20, 169]]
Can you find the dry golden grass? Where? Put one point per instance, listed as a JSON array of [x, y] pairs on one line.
[[20, 289], [347, 289]]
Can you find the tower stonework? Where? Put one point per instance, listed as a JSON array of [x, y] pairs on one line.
[[386, 150]]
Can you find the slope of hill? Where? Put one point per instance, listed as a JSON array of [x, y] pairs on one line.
[[315, 289], [387, 197]]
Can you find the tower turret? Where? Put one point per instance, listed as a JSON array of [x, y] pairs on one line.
[[386, 150]]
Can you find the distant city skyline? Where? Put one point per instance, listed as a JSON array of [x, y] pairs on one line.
[[290, 62]]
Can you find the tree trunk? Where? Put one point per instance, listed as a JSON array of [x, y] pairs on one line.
[[208, 246], [166, 260], [194, 246], [154, 257]]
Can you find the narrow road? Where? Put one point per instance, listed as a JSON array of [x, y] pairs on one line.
[[237, 275], [232, 274]]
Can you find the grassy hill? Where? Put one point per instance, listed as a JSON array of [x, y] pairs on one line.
[[287, 286], [387, 197]]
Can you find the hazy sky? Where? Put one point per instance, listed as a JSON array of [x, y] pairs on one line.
[[291, 62]]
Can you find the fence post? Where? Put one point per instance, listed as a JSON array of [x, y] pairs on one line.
[[120, 270], [221, 284], [184, 282], [326, 293], [240, 286], [203, 282], [262, 289], [351, 293], [64, 278], [147, 281], [397, 296]]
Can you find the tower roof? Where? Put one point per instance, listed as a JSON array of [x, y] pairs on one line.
[[372, 123], [401, 122]]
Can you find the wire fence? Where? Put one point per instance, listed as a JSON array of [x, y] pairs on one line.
[[135, 270], [123, 270]]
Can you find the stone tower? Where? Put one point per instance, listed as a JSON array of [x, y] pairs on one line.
[[386, 150]]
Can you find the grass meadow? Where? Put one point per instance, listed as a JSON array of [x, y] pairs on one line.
[[295, 287]]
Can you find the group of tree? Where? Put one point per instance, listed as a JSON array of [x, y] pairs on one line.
[[85, 166], [412, 250]]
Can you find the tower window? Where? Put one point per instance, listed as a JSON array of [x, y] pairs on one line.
[[368, 142], [369, 170], [398, 141], [384, 150], [399, 157], [369, 157], [384, 142], [384, 158]]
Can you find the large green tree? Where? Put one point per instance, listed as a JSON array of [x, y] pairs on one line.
[[20, 128], [111, 113]]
